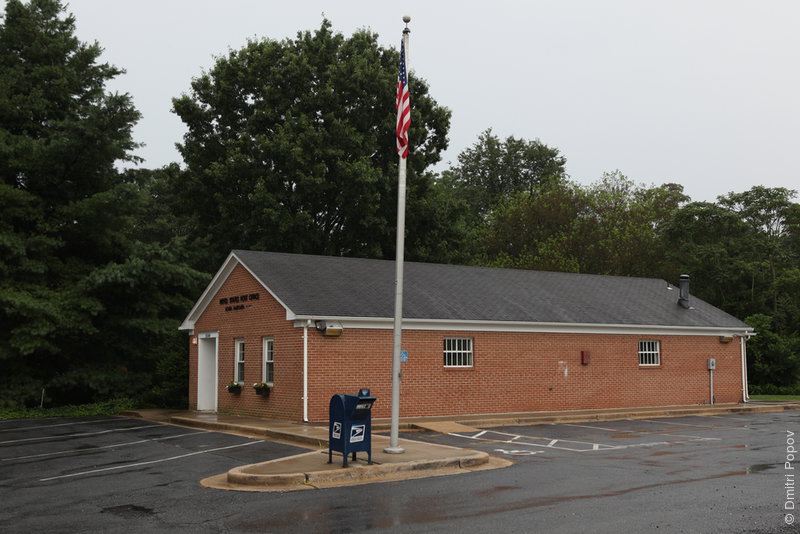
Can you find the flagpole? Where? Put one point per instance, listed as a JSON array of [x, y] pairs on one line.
[[394, 445]]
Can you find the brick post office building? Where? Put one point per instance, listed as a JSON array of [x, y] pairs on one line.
[[478, 340]]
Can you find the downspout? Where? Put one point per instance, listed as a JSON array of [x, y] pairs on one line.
[[305, 371], [745, 395]]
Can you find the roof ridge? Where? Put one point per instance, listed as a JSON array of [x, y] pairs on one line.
[[450, 265]]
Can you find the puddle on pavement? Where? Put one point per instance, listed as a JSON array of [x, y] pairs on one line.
[[496, 489], [128, 510], [758, 468]]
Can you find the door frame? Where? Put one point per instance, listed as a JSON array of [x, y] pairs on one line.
[[207, 369]]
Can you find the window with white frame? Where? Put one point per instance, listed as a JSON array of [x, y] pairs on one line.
[[238, 369], [268, 372], [649, 353], [458, 352]]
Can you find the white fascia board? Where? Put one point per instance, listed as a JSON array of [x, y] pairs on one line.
[[383, 323], [214, 286], [211, 290]]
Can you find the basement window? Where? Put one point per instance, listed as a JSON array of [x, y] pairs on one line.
[[649, 353], [458, 352]]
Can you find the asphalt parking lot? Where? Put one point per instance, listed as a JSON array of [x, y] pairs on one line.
[[101, 473], [564, 439], [725, 473], [693, 474]]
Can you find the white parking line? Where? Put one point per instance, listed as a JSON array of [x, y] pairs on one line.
[[82, 451], [59, 424], [516, 452], [587, 426], [572, 445], [517, 439], [151, 462], [44, 438], [692, 438], [723, 417], [671, 423]]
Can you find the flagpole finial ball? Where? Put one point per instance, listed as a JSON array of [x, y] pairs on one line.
[[406, 19]]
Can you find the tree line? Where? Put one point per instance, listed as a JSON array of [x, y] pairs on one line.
[[289, 147]]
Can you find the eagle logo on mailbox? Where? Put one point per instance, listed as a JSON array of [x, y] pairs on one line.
[[357, 433], [337, 430]]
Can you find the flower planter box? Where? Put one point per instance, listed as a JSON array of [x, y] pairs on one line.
[[234, 390], [264, 392]]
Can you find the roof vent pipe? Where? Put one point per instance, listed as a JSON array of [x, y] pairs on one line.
[[683, 297]]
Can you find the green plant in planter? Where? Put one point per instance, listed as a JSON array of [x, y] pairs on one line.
[[234, 387], [262, 388]]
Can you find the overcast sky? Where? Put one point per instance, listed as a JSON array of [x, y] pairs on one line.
[[704, 93]]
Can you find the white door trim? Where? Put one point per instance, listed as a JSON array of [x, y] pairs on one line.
[[207, 401]]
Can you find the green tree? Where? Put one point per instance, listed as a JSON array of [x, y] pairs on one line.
[[743, 256], [715, 247], [74, 258], [290, 147], [773, 357], [623, 225], [611, 227], [494, 171], [765, 211], [537, 231]]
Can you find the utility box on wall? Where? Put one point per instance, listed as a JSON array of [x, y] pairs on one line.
[[712, 364], [586, 357]]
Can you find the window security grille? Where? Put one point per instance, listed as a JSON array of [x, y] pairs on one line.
[[457, 352], [649, 353]]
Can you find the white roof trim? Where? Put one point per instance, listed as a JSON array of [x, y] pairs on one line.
[[216, 284], [290, 315], [515, 326]]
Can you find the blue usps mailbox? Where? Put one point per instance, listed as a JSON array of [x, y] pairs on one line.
[[350, 425]]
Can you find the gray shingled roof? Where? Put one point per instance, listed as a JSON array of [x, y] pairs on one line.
[[325, 286]]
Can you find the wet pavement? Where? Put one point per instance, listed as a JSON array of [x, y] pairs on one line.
[[315, 471], [721, 473]]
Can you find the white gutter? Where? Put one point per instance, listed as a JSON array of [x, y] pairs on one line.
[[305, 371], [385, 323]]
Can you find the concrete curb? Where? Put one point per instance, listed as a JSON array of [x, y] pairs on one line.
[[247, 475], [554, 418], [290, 437], [488, 421]]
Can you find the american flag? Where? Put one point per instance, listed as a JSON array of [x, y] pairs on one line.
[[403, 105]]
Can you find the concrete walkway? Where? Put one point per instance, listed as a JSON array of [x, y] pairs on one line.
[[312, 471]]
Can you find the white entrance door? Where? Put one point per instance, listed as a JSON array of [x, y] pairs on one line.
[[207, 371]]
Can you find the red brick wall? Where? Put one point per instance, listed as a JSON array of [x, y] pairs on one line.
[[520, 372], [262, 317], [512, 372]]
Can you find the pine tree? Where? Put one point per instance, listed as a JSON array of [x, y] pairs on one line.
[[73, 262]]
